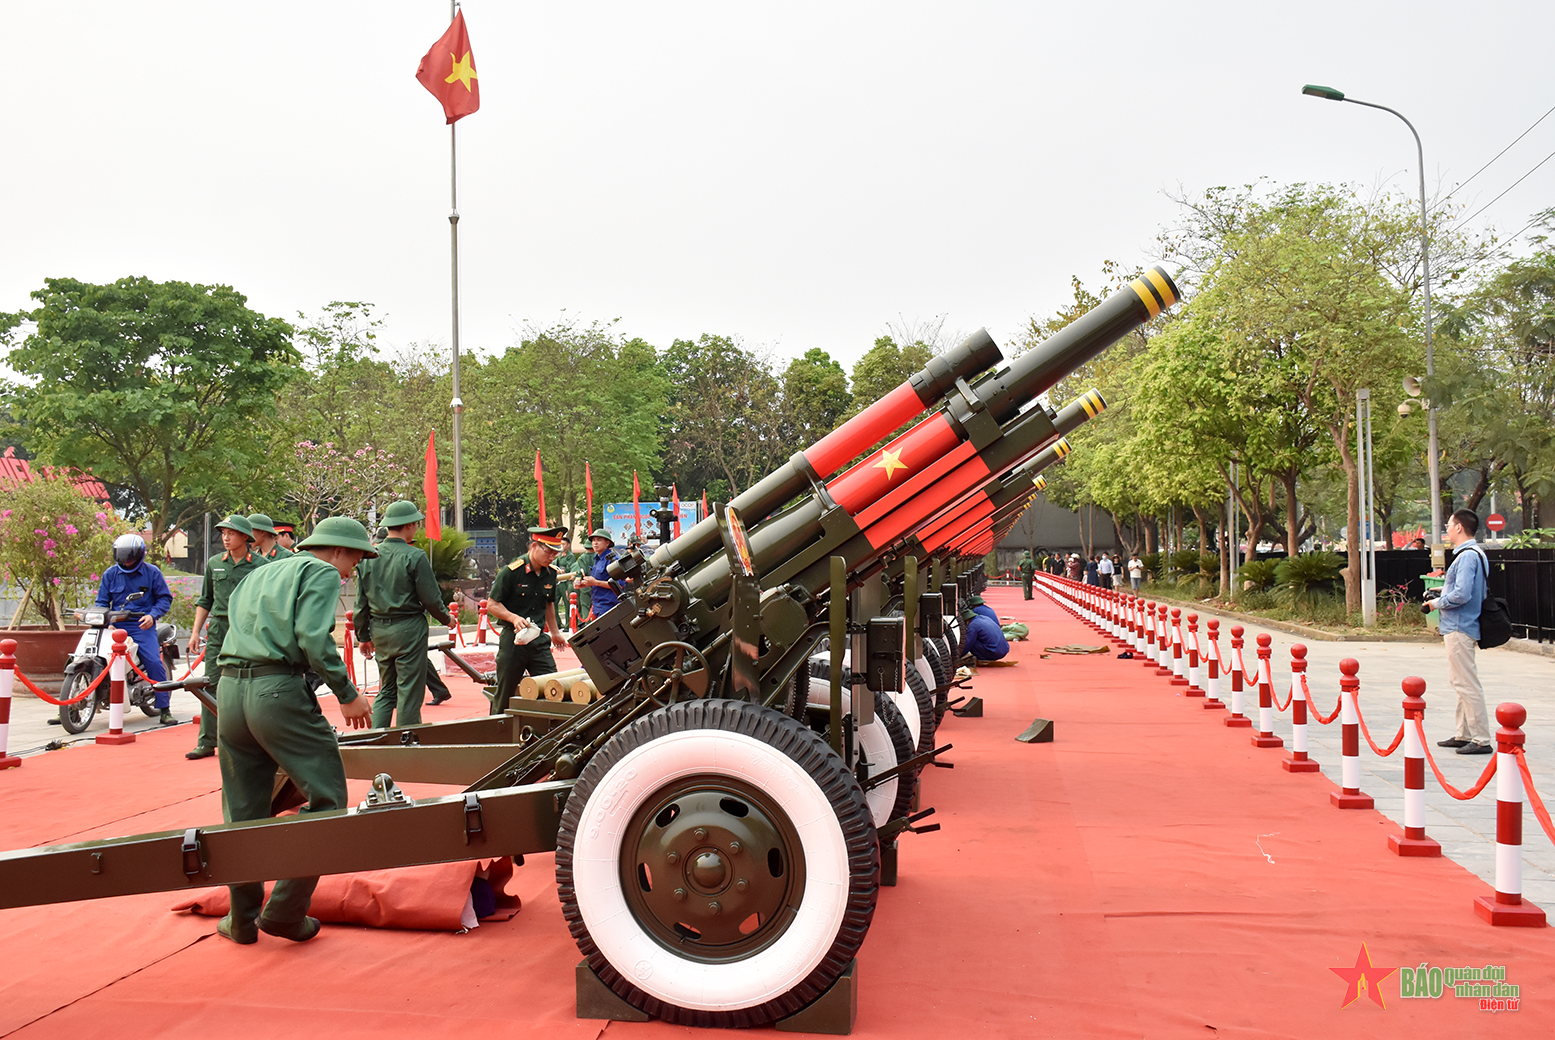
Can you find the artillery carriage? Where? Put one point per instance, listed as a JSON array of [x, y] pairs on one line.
[[769, 687]]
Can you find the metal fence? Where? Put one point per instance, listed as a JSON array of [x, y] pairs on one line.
[[1525, 578]]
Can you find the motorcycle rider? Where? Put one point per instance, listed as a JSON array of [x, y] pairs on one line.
[[131, 573]]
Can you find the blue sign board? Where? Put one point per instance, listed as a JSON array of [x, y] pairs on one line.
[[620, 522]]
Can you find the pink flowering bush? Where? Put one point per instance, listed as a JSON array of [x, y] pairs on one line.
[[54, 544], [327, 481]]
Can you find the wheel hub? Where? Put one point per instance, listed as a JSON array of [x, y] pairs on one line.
[[712, 868]]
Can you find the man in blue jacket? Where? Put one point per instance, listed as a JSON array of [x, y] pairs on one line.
[[1462, 595], [984, 635], [131, 574]]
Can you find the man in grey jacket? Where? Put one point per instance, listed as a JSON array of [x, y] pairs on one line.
[[1462, 595]]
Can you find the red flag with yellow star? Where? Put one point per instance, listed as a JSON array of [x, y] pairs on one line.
[[448, 71]]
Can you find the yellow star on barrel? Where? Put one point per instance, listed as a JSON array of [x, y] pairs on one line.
[[891, 461], [463, 70]]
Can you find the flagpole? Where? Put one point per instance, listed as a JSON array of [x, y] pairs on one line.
[[453, 235]]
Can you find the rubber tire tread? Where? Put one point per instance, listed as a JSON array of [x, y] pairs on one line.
[[924, 698], [836, 782], [901, 742], [74, 683]]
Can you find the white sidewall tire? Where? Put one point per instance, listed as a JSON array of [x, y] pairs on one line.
[[875, 741], [596, 870]]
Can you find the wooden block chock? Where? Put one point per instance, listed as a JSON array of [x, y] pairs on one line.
[[1039, 732]]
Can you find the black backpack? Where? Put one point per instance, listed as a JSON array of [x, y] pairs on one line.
[[1495, 621]]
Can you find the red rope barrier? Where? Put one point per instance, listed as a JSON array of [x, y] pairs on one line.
[[1275, 697], [1398, 738], [1462, 796], [1533, 796], [80, 697], [136, 667], [192, 666], [1307, 693]]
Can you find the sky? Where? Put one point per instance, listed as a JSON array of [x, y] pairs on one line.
[[795, 175]]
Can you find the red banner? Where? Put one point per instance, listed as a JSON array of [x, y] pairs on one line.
[[540, 485], [434, 523], [637, 512], [588, 492]]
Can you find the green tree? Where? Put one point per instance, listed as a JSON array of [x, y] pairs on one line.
[[814, 396], [724, 426], [155, 387], [577, 394]]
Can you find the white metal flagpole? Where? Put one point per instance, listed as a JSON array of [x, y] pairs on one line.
[[453, 235]]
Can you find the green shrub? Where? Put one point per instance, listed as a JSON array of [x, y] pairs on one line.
[[448, 558], [1185, 561], [1260, 574], [1298, 575], [1152, 562]]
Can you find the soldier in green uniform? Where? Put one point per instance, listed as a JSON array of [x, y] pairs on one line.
[[524, 597], [282, 618], [222, 575], [266, 539], [585, 568], [394, 595], [1028, 569], [567, 571]]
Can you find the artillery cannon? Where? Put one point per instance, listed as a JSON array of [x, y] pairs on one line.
[[717, 855]]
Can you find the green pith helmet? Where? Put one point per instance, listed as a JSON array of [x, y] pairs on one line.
[[239, 523], [401, 513], [974, 601], [600, 532], [260, 522], [339, 530]]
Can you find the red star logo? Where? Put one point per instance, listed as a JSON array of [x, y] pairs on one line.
[[1363, 974]]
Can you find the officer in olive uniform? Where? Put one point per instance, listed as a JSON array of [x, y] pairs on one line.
[[266, 539], [222, 575], [286, 535], [1028, 570], [282, 618], [394, 595], [524, 595]]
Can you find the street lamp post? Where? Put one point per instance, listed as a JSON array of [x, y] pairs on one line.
[[1438, 553]]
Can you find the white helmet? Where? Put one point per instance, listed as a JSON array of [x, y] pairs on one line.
[[129, 550]]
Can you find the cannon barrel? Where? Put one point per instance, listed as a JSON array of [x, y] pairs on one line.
[[920, 392]]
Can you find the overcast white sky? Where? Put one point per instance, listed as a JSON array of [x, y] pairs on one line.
[[798, 175]]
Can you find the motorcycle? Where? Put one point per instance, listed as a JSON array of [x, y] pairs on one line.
[[91, 658]]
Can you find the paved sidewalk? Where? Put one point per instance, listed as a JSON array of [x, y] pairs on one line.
[[1466, 830]]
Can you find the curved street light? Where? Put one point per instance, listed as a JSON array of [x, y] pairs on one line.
[[1438, 556]]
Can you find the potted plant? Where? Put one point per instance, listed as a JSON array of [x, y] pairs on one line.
[[54, 544]]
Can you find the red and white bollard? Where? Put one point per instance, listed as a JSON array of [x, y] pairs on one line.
[[1136, 627], [1163, 643], [116, 672], [1507, 907], [1237, 719], [481, 625], [7, 679], [1147, 622], [1265, 737], [1179, 672], [1298, 762], [1194, 689], [572, 611], [1349, 795], [1413, 841], [1212, 665], [449, 668]]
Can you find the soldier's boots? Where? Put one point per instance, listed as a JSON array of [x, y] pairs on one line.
[[297, 931]]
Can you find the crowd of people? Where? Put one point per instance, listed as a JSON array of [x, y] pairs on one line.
[[1101, 569]]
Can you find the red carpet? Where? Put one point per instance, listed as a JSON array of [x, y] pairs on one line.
[[1148, 874]]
